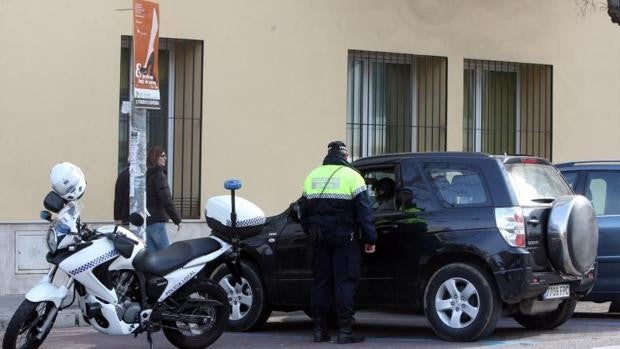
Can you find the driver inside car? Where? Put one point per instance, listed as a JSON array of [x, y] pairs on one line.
[[384, 190]]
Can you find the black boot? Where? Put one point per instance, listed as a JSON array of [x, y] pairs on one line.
[[345, 332], [320, 333]]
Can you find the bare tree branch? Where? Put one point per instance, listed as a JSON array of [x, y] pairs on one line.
[[587, 6]]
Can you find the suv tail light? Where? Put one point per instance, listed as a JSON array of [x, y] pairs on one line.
[[510, 222]]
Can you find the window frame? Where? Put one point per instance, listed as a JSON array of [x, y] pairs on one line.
[[367, 130], [479, 69], [183, 136], [417, 123], [530, 132]]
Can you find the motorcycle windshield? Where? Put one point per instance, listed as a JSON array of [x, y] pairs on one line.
[[69, 216]]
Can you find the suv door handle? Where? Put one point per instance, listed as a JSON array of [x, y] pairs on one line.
[[533, 221]]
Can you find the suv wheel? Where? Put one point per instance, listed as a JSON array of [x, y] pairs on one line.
[[249, 308], [461, 304], [550, 320]]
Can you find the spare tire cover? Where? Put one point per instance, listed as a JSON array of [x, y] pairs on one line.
[[572, 234]]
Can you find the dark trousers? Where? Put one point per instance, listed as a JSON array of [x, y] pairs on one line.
[[336, 271]]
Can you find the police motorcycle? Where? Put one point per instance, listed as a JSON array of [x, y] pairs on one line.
[[121, 288]]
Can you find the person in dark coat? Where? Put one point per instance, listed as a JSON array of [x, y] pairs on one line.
[[158, 201], [121, 198], [337, 208]]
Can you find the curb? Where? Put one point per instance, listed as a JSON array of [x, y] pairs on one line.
[[70, 317], [66, 318]]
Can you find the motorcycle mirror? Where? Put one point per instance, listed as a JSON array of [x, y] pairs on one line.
[[136, 219], [46, 215], [53, 202]]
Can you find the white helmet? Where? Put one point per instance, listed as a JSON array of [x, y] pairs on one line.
[[68, 181]]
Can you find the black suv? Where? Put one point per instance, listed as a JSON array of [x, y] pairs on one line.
[[599, 181], [465, 237]]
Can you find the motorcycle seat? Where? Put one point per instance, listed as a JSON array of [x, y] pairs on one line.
[[174, 256]]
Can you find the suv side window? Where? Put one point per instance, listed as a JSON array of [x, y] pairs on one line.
[[381, 185], [603, 189], [571, 178], [457, 184]]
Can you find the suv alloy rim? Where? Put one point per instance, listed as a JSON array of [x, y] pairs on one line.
[[239, 296], [457, 302]]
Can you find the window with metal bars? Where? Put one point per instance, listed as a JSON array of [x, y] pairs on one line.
[[177, 126], [507, 108], [395, 103]]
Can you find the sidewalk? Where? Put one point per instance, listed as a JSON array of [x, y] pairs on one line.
[[70, 317]]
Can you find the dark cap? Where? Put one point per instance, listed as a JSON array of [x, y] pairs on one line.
[[338, 148]]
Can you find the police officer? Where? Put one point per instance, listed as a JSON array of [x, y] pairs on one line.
[[336, 207]]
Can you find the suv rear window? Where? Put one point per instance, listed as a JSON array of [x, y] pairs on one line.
[[533, 182]]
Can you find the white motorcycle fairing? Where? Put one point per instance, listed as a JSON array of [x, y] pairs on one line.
[[80, 266], [45, 291], [116, 326]]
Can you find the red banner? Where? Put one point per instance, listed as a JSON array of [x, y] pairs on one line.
[[145, 49]]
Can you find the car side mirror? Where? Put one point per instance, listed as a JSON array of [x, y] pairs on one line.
[[136, 219]]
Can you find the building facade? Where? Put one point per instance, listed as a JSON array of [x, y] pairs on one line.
[[255, 89]]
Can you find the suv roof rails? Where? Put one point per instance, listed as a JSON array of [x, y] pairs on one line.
[[589, 162], [432, 153], [526, 155]]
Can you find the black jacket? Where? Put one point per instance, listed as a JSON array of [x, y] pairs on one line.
[[158, 197], [121, 197]]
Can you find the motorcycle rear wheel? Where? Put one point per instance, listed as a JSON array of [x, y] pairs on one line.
[[199, 335], [21, 332]]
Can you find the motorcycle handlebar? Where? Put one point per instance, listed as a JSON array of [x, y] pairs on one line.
[[86, 233]]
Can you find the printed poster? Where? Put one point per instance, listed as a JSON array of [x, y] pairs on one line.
[[145, 49]]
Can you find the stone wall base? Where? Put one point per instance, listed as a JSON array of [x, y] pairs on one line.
[[23, 249]]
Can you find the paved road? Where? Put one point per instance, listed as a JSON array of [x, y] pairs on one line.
[[383, 330]]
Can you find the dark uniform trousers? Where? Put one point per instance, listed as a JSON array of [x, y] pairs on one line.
[[336, 270]]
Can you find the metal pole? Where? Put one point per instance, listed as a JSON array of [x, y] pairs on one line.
[[137, 167], [137, 159], [143, 73]]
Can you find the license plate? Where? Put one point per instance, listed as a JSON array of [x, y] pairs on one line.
[[557, 291]]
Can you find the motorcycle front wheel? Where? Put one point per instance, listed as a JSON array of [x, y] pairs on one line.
[[22, 330], [199, 334]]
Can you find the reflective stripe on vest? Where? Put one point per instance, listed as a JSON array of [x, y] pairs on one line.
[[345, 184]]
